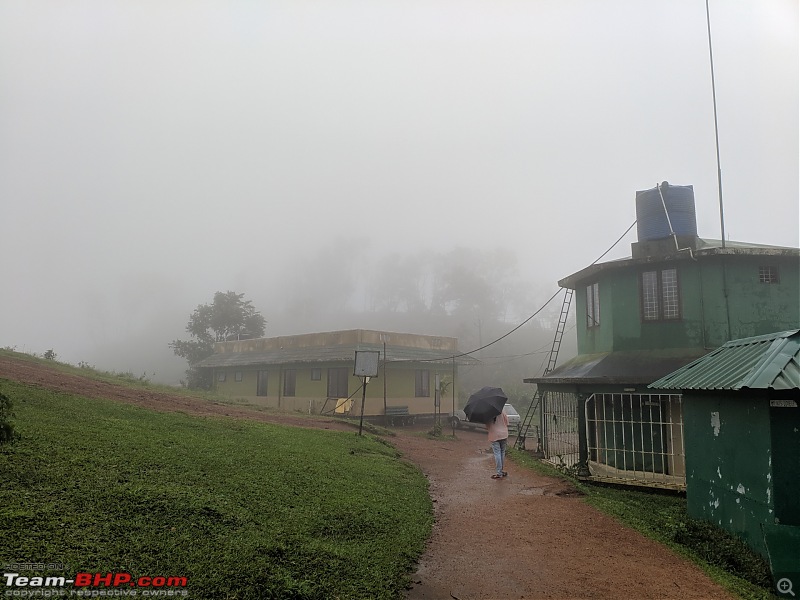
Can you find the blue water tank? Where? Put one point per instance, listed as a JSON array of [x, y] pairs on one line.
[[652, 223]]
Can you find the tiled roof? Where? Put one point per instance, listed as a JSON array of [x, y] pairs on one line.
[[763, 362]]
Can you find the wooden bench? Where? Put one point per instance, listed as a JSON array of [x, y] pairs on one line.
[[398, 414]]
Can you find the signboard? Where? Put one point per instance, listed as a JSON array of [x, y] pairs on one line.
[[366, 363], [783, 403]]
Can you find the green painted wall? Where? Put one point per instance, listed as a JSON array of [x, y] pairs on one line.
[[709, 317], [785, 426], [729, 463]]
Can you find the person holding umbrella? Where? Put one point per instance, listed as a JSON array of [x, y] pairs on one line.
[[486, 406], [497, 429]]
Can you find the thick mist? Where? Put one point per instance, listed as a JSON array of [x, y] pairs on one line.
[[433, 168]]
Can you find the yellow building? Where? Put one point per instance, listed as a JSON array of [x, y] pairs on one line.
[[313, 373]]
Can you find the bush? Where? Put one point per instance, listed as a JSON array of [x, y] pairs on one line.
[[7, 433], [718, 547]]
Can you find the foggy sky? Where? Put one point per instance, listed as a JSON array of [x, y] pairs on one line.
[[153, 153]]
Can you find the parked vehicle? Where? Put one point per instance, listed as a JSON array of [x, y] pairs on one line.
[[459, 420], [514, 420]]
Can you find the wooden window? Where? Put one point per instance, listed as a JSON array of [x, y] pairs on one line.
[[261, 386], [768, 274], [660, 295], [289, 380], [238, 376], [316, 374], [422, 385], [338, 382], [221, 376], [593, 305]]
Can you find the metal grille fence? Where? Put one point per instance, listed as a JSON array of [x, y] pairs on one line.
[[636, 439], [560, 428]]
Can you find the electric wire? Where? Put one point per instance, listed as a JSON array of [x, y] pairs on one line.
[[525, 322], [619, 239]]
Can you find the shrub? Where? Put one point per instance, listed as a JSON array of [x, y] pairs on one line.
[[7, 432], [718, 547]]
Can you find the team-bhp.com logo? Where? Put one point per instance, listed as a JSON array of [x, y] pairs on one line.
[[94, 585]]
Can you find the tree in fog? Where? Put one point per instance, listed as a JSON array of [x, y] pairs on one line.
[[471, 284], [398, 284], [322, 286], [227, 317]]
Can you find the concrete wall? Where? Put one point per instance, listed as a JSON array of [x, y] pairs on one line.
[[709, 317]]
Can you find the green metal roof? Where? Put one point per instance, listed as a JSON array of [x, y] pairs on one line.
[[763, 362]]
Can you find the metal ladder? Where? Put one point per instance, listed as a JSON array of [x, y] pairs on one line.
[[552, 358]]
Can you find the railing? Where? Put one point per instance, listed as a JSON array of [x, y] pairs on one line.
[[636, 439]]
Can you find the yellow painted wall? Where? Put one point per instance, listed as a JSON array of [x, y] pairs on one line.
[[310, 395]]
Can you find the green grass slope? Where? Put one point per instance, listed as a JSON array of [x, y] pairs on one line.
[[241, 509]]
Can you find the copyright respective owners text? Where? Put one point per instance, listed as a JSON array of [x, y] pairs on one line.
[[56, 579]]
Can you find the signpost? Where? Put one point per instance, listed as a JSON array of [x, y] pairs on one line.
[[366, 366]]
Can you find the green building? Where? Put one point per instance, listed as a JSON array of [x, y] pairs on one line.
[[742, 429], [676, 297], [313, 373]]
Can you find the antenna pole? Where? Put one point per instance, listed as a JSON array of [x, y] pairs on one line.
[[716, 128]]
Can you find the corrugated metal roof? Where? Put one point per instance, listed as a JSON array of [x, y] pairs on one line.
[[324, 354], [763, 362]]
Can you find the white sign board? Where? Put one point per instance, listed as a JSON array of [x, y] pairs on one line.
[[366, 363], [783, 403]]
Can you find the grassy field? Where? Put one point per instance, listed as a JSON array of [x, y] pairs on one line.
[[241, 509], [663, 517]]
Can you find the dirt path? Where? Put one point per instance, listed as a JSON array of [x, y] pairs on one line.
[[526, 536], [529, 536]]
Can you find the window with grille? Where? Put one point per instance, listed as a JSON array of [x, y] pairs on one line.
[[593, 305], [422, 386], [660, 295], [768, 274], [337, 382], [261, 385], [289, 381]]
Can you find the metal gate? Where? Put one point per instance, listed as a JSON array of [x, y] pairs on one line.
[[636, 439], [560, 428]]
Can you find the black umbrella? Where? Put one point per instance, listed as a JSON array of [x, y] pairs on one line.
[[485, 404]]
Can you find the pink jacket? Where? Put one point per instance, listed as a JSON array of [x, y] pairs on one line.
[[498, 429]]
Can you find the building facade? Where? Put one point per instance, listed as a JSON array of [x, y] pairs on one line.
[[743, 442], [673, 300], [313, 373]]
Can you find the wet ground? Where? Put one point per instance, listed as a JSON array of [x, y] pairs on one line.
[[525, 536]]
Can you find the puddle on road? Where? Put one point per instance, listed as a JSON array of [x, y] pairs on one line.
[[568, 492]]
